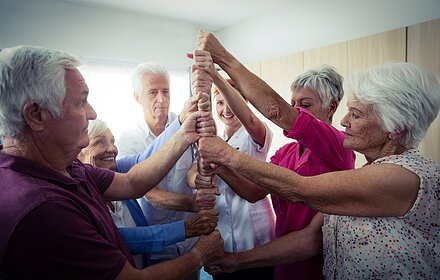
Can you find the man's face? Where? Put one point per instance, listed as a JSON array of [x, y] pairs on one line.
[[69, 133], [155, 97]]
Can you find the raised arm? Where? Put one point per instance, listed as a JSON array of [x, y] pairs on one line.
[[374, 190], [259, 93], [147, 174], [235, 101], [125, 163]]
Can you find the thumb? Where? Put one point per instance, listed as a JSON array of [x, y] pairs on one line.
[[216, 190], [190, 55]]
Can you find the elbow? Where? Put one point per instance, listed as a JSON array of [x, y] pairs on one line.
[[257, 196]]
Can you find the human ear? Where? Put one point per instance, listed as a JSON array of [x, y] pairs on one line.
[[35, 116], [136, 97], [394, 135], [332, 109]]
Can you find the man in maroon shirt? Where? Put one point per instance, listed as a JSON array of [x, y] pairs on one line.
[[55, 223]]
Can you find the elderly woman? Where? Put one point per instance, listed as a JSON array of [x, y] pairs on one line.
[[144, 239], [243, 225], [318, 148], [384, 218]]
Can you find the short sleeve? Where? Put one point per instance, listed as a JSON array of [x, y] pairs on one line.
[[57, 240]]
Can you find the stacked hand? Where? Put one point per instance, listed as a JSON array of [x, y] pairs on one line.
[[202, 223], [209, 247], [191, 105], [206, 41], [196, 125]]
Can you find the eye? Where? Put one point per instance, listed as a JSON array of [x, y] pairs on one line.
[[355, 116], [304, 105], [83, 102], [292, 103]]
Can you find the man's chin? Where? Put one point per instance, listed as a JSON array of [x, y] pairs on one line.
[[84, 143]]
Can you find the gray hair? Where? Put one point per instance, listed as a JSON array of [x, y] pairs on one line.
[[146, 68], [326, 82], [31, 74], [96, 127], [405, 97]]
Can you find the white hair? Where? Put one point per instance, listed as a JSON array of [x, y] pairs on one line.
[[31, 74], [405, 97], [96, 128], [146, 68], [325, 82]]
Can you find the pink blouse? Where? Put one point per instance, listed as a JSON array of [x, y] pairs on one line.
[[324, 152]]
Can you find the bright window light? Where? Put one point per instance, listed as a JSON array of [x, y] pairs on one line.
[[111, 94]]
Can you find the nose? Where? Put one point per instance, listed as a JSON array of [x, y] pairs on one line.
[[227, 109], [160, 97], [112, 148], [90, 113], [344, 120]]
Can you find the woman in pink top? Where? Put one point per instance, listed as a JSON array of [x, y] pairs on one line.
[[318, 149]]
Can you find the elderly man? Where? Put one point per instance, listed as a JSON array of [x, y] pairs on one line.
[[171, 200], [55, 223]]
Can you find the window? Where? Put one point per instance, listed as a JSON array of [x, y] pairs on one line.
[[111, 94]]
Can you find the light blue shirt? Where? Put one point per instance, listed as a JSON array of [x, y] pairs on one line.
[[149, 238], [124, 164], [135, 140]]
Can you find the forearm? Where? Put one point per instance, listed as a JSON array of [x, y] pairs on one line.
[[273, 179], [170, 200], [260, 94], [191, 176], [294, 247], [253, 125], [245, 188], [178, 268], [126, 163], [152, 239]]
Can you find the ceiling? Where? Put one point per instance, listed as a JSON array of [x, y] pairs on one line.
[[212, 15]]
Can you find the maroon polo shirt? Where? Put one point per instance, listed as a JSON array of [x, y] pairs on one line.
[[56, 227]]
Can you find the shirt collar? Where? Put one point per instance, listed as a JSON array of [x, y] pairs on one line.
[[171, 117], [37, 170]]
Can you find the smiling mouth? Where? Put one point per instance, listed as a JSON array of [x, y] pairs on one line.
[[108, 158]]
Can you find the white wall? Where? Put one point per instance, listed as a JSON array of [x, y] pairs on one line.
[[308, 24], [94, 32], [301, 25]]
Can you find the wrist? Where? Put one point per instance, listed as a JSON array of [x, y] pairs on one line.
[[225, 60], [197, 256], [181, 141], [186, 224], [192, 206]]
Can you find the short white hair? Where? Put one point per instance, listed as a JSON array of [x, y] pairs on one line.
[[404, 96], [146, 68], [31, 74], [96, 128], [325, 82]]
